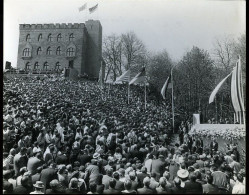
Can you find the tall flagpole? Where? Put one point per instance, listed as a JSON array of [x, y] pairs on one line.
[[145, 95], [173, 112], [129, 92]]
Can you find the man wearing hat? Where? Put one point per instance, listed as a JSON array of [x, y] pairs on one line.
[[38, 188]]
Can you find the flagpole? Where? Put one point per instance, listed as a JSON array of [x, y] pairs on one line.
[[145, 95], [128, 93], [173, 112]]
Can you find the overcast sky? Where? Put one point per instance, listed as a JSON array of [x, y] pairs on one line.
[[174, 25]]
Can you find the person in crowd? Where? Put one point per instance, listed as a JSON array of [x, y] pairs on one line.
[[239, 187], [39, 188], [111, 189], [210, 188]]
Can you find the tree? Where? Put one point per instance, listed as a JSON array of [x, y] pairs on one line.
[[133, 49], [158, 69], [112, 54], [194, 80]]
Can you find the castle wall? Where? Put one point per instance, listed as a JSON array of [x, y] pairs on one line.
[[79, 42], [87, 43]]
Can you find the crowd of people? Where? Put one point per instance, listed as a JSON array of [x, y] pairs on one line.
[[73, 137]]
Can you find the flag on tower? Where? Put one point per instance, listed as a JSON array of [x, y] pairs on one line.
[[125, 77], [83, 7], [140, 77], [167, 85], [92, 9]]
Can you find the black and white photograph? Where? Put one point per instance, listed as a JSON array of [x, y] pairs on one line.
[[124, 97]]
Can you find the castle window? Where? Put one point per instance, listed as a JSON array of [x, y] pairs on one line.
[[26, 52], [49, 51], [39, 50], [40, 37], [45, 67], [71, 37], [27, 67], [57, 66], [28, 38], [70, 52], [49, 37], [36, 66], [58, 51], [59, 37]]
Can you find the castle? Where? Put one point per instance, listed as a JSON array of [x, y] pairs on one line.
[[53, 47]]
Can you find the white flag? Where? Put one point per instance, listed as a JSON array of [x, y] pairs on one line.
[[214, 92]]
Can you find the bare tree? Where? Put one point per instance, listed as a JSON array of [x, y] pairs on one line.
[[112, 54], [133, 49]]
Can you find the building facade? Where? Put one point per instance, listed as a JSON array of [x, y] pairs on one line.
[[51, 47]]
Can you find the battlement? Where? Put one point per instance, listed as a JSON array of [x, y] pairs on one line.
[[52, 26]]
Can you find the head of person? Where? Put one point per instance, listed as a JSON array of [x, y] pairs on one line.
[[166, 174], [239, 177], [127, 184], [112, 183], [93, 187], [192, 176], [177, 182], [162, 182], [144, 170], [146, 181], [209, 179], [38, 185], [116, 175]]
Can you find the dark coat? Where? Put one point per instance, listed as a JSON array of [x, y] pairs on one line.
[[140, 178], [21, 190], [47, 175], [158, 167], [193, 188], [119, 185]]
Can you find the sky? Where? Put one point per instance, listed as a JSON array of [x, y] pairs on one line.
[[172, 25]]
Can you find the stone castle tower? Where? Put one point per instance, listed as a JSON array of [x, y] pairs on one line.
[[57, 46]]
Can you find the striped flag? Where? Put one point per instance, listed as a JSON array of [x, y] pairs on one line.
[[83, 7], [125, 77], [236, 89], [167, 85], [140, 77], [92, 9]]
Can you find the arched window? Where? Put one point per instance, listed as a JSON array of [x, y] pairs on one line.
[[49, 37], [58, 51], [26, 52], [49, 51], [57, 66], [70, 52], [40, 37], [28, 38], [36, 66], [27, 67], [71, 37], [59, 37], [45, 67], [39, 50]]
